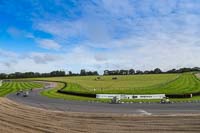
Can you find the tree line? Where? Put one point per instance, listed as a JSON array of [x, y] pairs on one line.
[[83, 72], [155, 71], [31, 75], [16, 75]]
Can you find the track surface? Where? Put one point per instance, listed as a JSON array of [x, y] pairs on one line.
[[36, 100], [18, 118]]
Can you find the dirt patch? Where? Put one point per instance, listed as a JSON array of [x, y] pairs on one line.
[[15, 118]]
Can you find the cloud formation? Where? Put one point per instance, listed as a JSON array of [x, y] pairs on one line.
[[48, 44], [42, 58], [110, 34]]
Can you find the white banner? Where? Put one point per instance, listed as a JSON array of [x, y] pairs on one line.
[[127, 96]]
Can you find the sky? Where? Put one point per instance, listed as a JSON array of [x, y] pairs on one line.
[[47, 35]]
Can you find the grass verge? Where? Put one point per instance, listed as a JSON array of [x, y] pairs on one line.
[[14, 86], [52, 93]]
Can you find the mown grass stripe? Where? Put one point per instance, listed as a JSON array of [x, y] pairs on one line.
[[9, 87]]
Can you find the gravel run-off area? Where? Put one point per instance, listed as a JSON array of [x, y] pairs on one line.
[[19, 118]]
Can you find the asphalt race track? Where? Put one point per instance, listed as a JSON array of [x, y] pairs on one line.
[[36, 100]]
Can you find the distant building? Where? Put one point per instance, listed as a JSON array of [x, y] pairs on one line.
[[106, 72], [116, 72]]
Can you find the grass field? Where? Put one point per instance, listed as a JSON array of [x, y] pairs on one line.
[[124, 84], [185, 83], [137, 84], [173, 84], [106, 82], [144, 84], [14, 86]]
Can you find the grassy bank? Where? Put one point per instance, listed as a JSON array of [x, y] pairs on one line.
[[14, 86], [185, 83], [52, 93], [173, 84], [123, 84]]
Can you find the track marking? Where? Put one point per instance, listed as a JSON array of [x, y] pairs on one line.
[[141, 111]]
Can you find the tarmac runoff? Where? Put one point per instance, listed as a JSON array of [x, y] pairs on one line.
[[36, 100]]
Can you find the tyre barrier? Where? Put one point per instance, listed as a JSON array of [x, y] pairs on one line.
[[77, 94], [178, 95], [74, 93]]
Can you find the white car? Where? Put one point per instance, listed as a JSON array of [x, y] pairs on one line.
[[165, 100], [26, 93]]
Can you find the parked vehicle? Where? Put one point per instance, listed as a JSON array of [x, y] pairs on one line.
[[26, 93], [165, 100], [115, 100], [18, 93]]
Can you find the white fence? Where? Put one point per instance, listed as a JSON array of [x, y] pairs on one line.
[[126, 96]]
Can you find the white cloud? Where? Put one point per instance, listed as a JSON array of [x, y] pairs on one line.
[[19, 33], [61, 28], [14, 32], [7, 54], [48, 44], [156, 54], [43, 58], [118, 34], [7, 60], [118, 7]]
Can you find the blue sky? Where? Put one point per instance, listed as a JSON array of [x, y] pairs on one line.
[[42, 36]]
